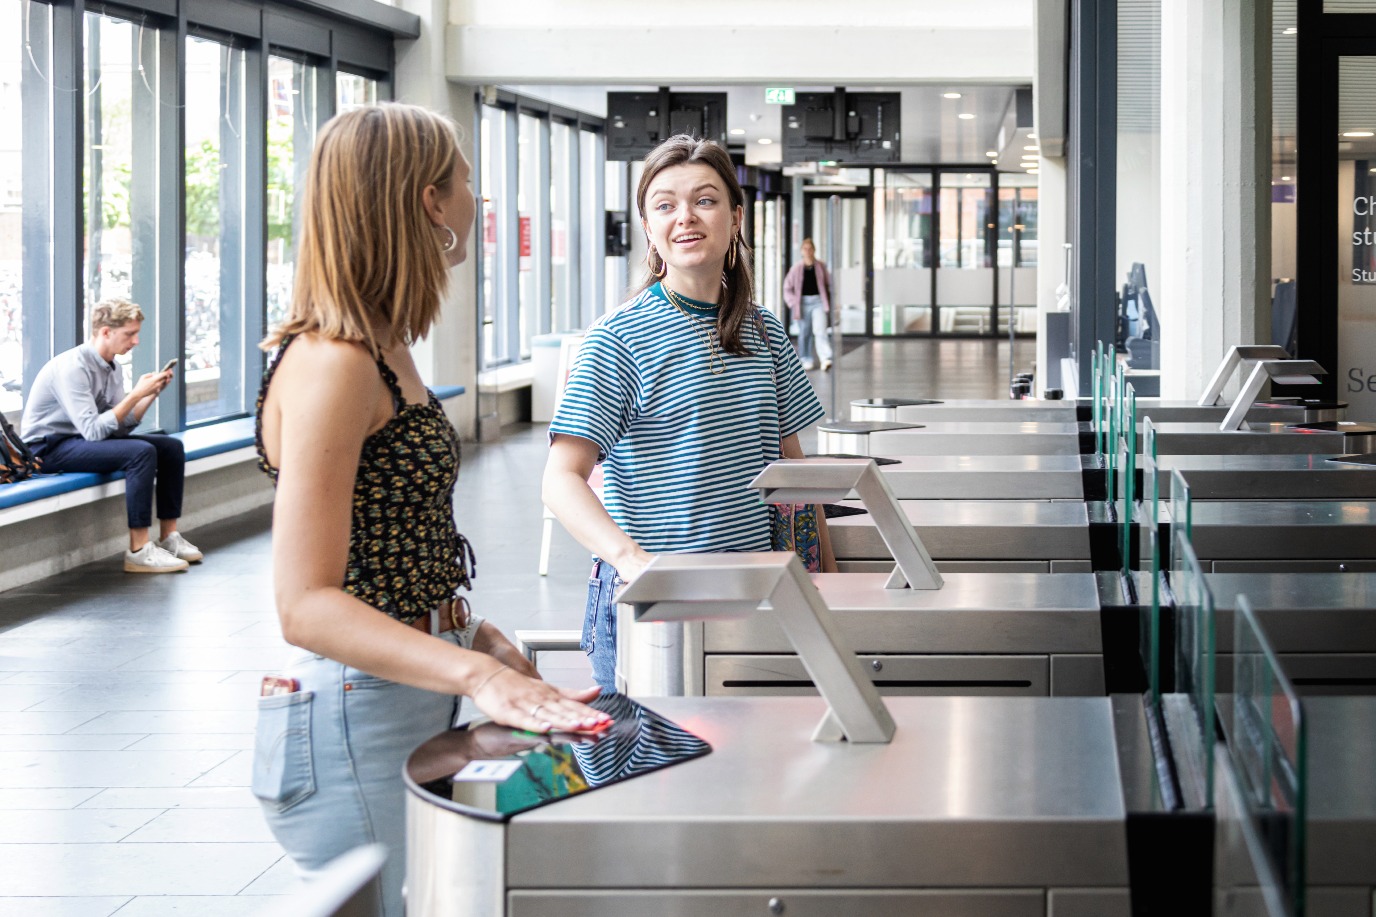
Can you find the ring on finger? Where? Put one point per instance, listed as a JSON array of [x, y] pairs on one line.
[[535, 711]]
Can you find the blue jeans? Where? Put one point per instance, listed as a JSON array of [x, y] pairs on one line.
[[143, 458], [813, 331], [599, 624], [327, 764]]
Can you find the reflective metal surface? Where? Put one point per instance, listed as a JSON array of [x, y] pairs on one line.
[[1267, 477], [1301, 612], [972, 613], [987, 477], [973, 530], [1257, 439], [974, 792], [970, 410], [1282, 531], [1342, 791]]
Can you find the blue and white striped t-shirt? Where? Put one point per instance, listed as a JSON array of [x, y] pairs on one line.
[[679, 445]]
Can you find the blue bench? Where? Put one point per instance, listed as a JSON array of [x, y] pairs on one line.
[[200, 442]]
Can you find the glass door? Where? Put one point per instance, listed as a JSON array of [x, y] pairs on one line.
[[965, 254], [904, 206], [848, 262], [1356, 236]]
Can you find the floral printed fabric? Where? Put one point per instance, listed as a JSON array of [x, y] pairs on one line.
[[793, 527], [405, 554]]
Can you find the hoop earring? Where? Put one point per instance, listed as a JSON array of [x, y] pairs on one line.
[[452, 242], [731, 254], [663, 268]]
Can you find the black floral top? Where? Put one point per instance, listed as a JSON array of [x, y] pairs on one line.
[[405, 554]]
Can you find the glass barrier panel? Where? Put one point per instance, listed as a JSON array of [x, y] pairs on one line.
[[1194, 660], [1268, 748], [1150, 638], [1096, 398], [1181, 511], [1129, 478]]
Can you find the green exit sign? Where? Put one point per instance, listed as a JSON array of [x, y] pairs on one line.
[[779, 96]]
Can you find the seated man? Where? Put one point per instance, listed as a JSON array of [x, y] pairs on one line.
[[78, 418]]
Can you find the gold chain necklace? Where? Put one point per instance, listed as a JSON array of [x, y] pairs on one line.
[[716, 362]]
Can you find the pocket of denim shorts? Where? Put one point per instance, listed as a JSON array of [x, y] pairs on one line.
[[282, 771], [589, 637]]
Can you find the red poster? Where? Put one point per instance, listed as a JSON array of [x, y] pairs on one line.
[[525, 237], [490, 228]]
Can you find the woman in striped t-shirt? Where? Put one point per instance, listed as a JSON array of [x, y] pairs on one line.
[[682, 394]]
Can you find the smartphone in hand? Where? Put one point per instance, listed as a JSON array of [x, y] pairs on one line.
[[169, 364]]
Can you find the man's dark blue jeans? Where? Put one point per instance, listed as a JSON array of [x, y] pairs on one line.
[[144, 459]]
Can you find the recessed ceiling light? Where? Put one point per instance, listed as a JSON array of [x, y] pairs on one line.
[[737, 131], [1290, 31], [966, 116], [950, 95], [1031, 136], [1033, 172], [766, 141], [991, 153], [1346, 134], [1032, 147], [1285, 178]]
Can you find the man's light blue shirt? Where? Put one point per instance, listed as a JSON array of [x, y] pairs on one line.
[[75, 395]]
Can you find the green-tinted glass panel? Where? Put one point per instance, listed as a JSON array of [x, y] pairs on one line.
[[1194, 663], [1150, 630], [1181, 518], [1268, 749]]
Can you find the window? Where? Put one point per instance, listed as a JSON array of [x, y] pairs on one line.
[[25, 189], [532, 170], [495, 321], [354, 91], [120, 210], [291, 124], [215, 230], [592, 235], [563, 176]]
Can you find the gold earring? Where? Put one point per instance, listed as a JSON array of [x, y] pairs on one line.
[[663, 268], [731, 253]]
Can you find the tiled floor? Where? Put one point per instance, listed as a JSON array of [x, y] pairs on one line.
[[126, 702]]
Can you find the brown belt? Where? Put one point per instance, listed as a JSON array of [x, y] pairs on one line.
[[448, 614]]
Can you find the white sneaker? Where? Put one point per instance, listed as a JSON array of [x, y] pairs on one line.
[[826, 365], [179, 547], [152, 559]]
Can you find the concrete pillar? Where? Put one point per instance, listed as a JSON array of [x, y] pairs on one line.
[[449, 355], [1214, 286], [1051, 267]]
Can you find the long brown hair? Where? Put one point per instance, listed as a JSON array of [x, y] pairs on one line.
[[738, 298], [368, 256]]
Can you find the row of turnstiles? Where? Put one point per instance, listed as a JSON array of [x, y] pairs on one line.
[[1126, 664]]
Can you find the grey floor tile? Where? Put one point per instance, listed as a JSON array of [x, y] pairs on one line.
[[172, 740], [35, 661], [146, 697], [247, 677], [120, 678], [61, 907], [185, 721], [178, 797], [279, 879], [164, 658], [92, 742], [195, 906], [106, 768], [22, 697], [236, 826], [236, 771], [66, 797], [74, 826], [45, 723], [132, 869]]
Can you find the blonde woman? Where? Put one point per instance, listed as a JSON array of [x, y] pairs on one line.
[[367, 560]]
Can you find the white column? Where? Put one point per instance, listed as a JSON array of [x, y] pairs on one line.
[[449, 355], [1051, 239], [1215, 186]]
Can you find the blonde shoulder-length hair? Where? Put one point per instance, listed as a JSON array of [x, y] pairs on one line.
[[369, 262]]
